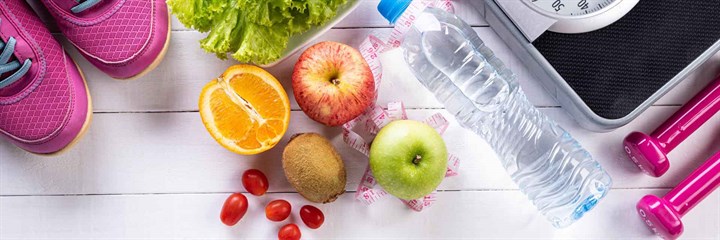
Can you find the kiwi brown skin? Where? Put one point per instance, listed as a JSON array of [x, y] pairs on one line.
[[314, 168]]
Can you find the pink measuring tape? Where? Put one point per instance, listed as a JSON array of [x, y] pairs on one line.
[[375, 117]]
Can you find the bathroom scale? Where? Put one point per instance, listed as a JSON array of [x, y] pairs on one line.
[[606, 61]]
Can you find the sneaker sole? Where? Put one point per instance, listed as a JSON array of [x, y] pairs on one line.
[[158, 59], [86, 125]]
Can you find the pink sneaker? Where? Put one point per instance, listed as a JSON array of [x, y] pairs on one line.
[[123, 38], [44, 103]]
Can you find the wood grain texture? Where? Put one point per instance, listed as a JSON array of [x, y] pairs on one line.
[[148, 169], [464, 214], [173, 153]]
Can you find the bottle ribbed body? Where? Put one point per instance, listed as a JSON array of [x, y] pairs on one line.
[[549, 166]]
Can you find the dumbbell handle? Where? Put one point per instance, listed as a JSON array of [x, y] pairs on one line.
[[696, 187], [690, 117]]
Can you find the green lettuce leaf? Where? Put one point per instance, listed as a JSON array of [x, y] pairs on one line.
[[261, 44], [220, 39], [198, 14], [266, 13], [254, 31]]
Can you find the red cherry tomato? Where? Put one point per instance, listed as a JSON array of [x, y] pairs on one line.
[[312, 216], [278, 210], [234, 209], [289, 232], [255, 182]]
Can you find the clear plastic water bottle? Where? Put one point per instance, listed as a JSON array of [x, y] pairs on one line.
[[549, 166]]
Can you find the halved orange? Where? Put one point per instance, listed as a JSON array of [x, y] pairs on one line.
[[246, 109]]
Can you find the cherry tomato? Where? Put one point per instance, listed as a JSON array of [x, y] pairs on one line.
[[312, 216], [234, 209], [255, 182], [278, 210], [289, 232]]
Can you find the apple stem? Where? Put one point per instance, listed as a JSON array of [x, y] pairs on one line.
[[335, 81], [417, 159]]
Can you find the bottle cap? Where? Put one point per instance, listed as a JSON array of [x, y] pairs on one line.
[[392, 9]]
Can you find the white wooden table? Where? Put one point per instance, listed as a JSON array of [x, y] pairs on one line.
[[148, 169]]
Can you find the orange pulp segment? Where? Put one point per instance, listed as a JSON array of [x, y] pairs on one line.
[[246, 109]]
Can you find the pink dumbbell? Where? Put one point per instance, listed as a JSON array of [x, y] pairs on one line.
[[650, 152], [663, 215]]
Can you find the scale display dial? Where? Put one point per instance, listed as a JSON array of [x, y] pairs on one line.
[[579, 16], [571, 7]]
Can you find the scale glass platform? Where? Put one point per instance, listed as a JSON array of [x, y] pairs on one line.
[[606, 61]]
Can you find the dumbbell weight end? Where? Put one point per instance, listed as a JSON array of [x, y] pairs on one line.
[[649, 152], [663, 215]]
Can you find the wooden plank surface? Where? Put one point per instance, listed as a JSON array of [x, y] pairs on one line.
[[456, 214], [172, 152], [148, 169]]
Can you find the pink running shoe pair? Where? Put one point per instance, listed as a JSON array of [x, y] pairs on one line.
[[44, 102]]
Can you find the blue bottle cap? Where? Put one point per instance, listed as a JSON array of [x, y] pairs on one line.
[[392, 9]]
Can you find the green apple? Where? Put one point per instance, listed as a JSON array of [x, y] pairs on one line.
[[408, 159]]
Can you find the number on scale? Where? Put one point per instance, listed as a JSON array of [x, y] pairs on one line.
[[557, 5], [583, 4], [577, 16], [571, 7]]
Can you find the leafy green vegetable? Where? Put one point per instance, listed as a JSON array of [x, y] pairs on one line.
[[255, 31]]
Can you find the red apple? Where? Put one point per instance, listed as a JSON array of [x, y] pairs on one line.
[[332, 83]]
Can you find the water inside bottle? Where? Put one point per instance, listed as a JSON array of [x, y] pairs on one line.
[[549, 166]]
